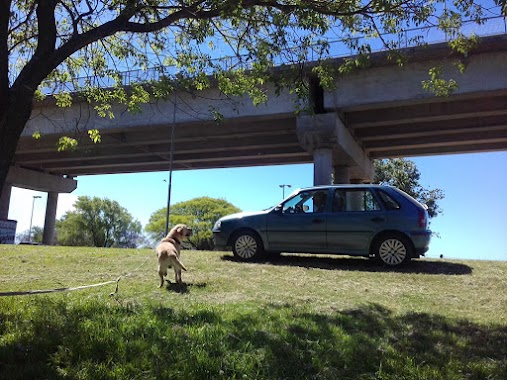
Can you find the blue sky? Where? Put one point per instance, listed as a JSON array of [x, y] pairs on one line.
[[473, 224]]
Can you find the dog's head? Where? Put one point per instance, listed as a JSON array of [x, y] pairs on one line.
[[180, 232]]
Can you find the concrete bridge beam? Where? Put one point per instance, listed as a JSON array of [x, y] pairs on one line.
[[334, 149], [39, 181], [33, 180]]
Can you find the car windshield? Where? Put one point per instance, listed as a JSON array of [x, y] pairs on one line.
[[280, 205]]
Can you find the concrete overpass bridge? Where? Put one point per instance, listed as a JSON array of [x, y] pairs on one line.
[[378, 112]]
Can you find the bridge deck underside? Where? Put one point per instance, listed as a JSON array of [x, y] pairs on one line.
[[196, 146], [458, 124]]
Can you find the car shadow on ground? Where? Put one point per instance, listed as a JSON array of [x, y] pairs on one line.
[[360, 264]]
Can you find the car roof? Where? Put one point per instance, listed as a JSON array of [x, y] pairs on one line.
[[345, 186]]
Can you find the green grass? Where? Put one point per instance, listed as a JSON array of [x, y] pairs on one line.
[[297, 317]]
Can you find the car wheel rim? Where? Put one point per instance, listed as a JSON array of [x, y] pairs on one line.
[[246, 246], [392, 251]]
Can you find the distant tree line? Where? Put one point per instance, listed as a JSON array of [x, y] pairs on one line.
[[198, 213], [94, 222], [98, 222], [405, 175]]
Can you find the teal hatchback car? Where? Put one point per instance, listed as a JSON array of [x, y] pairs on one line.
[[376, 221]]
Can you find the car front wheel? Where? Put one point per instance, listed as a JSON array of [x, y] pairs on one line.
[[393, 250], [246, 245]]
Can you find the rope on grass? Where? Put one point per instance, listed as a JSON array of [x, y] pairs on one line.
[[43, 291], [56, 290]]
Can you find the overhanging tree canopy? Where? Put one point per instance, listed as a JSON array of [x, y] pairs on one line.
[[44, 45]]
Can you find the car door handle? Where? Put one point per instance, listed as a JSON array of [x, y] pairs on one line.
[[318, 221], [377, 219]]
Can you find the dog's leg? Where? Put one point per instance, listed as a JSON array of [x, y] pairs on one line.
[[161, 273], [177, 275]]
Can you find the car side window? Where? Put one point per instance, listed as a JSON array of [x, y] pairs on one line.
[[339, 201], [354, 200], [306, 202], [319, 200]]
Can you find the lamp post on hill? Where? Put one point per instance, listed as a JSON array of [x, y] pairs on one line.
[[283, 189], [31, 218], [171, 160]]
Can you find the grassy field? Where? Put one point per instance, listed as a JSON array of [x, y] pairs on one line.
[[296, 317]]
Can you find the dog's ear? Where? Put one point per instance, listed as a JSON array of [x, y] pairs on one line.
[[179, 229]]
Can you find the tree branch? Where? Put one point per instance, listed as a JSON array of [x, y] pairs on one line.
[[47, 29], [5, 6], [132, 8]]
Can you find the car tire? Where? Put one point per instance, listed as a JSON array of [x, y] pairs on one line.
[[246, 245], [392, 250]]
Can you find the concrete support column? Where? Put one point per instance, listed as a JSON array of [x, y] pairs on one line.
[[322, 166], [50, 221], [341, 174], [5, 199], [331, 144], [316, 135]]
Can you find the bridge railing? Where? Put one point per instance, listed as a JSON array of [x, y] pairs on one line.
[[338, 48], [432, 35]]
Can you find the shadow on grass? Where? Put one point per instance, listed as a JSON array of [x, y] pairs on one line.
[[183, 287], [361, 264], [105, 341]]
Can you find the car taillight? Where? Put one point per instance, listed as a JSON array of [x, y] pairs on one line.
[[422, 220]]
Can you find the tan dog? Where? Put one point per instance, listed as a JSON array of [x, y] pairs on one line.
[[168, 252]]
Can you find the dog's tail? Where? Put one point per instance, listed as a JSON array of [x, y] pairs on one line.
[[176, 263]]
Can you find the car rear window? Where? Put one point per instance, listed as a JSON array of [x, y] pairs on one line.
[[388, 201], [410, 198]]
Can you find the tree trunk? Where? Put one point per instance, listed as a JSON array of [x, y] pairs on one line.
[[13, 120]]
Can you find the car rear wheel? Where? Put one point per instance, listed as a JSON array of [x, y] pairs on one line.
[[393, 250], [246, 245]]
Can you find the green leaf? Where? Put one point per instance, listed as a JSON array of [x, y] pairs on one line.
[[63, 99], [94, 135], [66, 143], [463, 44], [437, 85], [138, 97]]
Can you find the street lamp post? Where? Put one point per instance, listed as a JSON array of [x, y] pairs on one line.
[[283, 189], [31, 218], [171, 159]]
